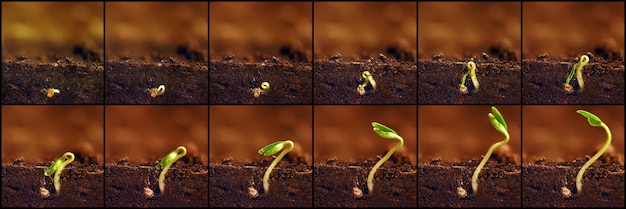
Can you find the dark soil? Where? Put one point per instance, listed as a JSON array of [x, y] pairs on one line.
[[603, 185], [499, 184], [336, 81], [544, 78], [230, 182], [186, 185], [395, 184], [439, 80], [232, 82], [82, 185]]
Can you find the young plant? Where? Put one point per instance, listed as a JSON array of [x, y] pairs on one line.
[[595, 122], [51, 91], [57, 167], [500, 125], [154, 92], [265, 87], [166, 162], [578, 69], [471, 70], [387, 133], [368, 79], [271, 149]]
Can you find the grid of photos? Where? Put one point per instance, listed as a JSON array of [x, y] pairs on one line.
[[312, 104]]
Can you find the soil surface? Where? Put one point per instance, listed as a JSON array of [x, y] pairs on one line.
[[499, 184], [439, 81], [544, 81], [234, 184], [543, 182]]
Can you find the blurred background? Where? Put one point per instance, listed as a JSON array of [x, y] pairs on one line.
[[147, 133], [569, 29], [465, 29], [151, 28], [255, 28], [38, 30], [237, 132], [464, 132], [364, 29], [344, 132], [558, 133], [44, 133]]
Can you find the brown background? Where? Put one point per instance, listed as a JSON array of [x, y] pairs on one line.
[[147, 133], [363, 28], [463, 132], [34, 29], [247, 28], [238, 132], [572, 28], [139, 28], [558, 133], [44, 133], [465, 29]]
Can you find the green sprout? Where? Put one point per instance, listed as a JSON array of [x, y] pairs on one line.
[[57, 167], [167, 161], [265, 87], [368, 79], [595, 122], [387, 133], [578, 69], [271, 149], [500, 125], [471, 66]]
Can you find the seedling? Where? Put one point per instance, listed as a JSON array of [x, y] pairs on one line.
[[578, 69], [367, 79], [471, 71], [271, 149], [387, 133], [595, 122], [167, 161], [57, 167], [265, 87], [51, 91], [154, 92], [500, 125]]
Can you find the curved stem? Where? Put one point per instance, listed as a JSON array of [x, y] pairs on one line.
[[579, 177], [266, 177], [370, 177], [181, 151], [485, 158], [57, 176]]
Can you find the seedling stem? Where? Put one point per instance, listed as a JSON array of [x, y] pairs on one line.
[[471, 66], [166, 162], [271, 149], [500, 125], [578, 70], [387, 133], [57, 167], [595, 122], [368, 79]]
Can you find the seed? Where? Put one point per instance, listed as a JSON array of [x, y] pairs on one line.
[[357, 192], [148, 192], [566, 192], [461, 192], [44, 192], [253, 192]]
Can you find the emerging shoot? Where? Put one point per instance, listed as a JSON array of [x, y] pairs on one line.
[[271, 149], [265, 87], [51, 91], [154, 92], [368, 79], [595, 122], [387, 133], [500, 125], [471, 71], [57, 167], [166, 162], [578, 69]]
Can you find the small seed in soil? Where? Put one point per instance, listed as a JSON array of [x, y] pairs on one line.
[[253, 192], [566, 192], [463, 89], [148, 192], [461, 192], [265, 87], [568, 88], [357, 192], [154, 92], [51, 91], [44, 192]]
